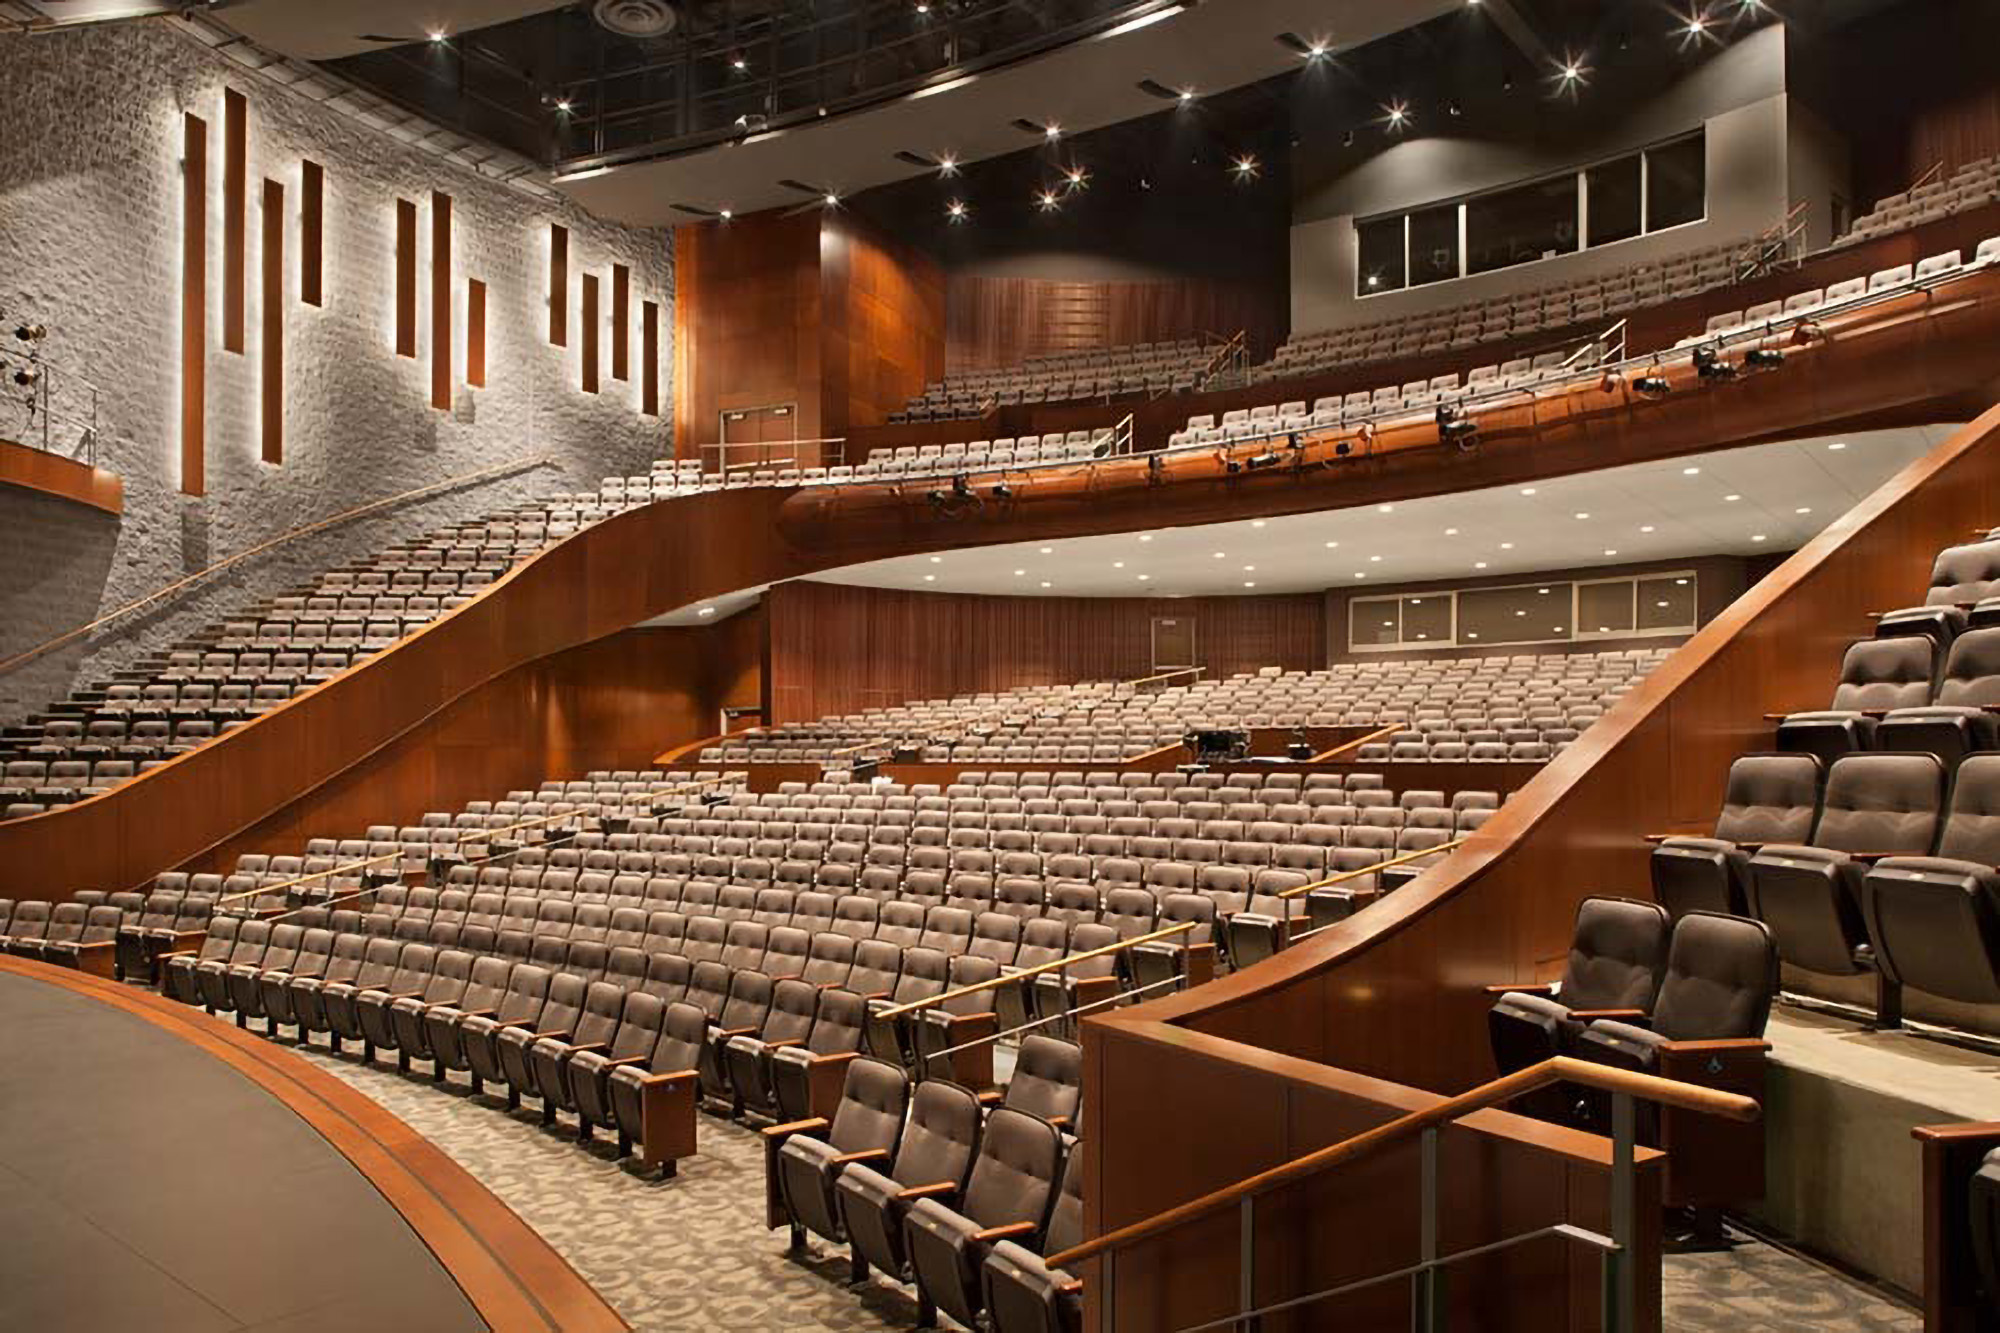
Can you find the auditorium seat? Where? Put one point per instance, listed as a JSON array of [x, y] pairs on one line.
[[804, 1159], [1022, 1293], [653, 1101], [1006, 1197], [1617, 957], [1047, 1080], [1770, 798], [746, 1058], [1876, 675], [931, 1160]]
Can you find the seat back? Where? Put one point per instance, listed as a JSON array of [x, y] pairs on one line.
[[1971, 675], [1722, 973], [1770, 798], [869, 1116], [1882, 802], [1014, 1176], [1972, 824], [1048, 1079], [941, 1137]]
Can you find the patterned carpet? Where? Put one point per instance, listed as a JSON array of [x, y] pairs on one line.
[[692, 1253]]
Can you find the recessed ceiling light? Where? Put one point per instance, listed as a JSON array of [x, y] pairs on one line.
[[1249, 583], [1385, 509], [1758, 538], [1837, 445], [1220, 555], [1048, 550], [1479, 564], [1145, 578], [1451, 532], [1690, 472], [1249, 569], [706, 611], [1052, 131], [438, 34], [1543, 591], [1556, 628], [1020, 573], [1145, 536], [1611, 550], [930, 578], [1359, 575], [1583, 513], [1374, 559], [937, 559], [1520, 613], [1661, 604], [1331, 545], [1803, 509], [1118, 564], [1645, 527], [1506, 546], [1047, 584], [1256, 522], [1680, 583], [1732, 498], [1527, 490]]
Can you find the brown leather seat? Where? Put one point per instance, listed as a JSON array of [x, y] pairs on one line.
[[1006, 1197]]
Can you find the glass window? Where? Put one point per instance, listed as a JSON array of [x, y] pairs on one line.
[[1525, 223], [1427, 619], [1604, 608], [1433, 245], [1374, 622], [1611, 201], [1667, 603], [1532, 612], [1676, 183], [1381, 255]]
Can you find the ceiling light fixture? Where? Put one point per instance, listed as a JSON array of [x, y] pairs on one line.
[[947, 165], [1398, 114], [1245, 167], [1048, 201], [956, 210], [438, 34], [1144, 21], [1052, 131]]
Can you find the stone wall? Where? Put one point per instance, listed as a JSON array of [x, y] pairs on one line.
[[90, 237]]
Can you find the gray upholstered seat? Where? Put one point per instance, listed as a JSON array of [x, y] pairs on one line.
[[932, 1159], [1933, 922], [1875, 675], [804, 1159], [1722, 974], [746, 1058], [1006, 1197], [1770, 798], [796, 1073], [1617, 956], [1025, 1295]]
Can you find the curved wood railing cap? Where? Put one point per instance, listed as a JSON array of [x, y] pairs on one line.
[[1558, 1069]]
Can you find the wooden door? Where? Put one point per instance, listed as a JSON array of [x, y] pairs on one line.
[[1173, 642]]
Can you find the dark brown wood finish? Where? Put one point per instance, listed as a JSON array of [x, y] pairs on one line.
[[839, 648], [510, 1275], [589, 348], [272, 315], [1951, 1153], [621, 322], [235, 217], [66, 479], [1915, 349], [441, 289], [312, 238], [649, 358], [882, 309], [475, 333], [994, 322], [406, 278], [194, 305], [558, 285]]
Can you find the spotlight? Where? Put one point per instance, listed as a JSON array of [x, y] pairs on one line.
[[1077, 178], [1571, 71], [956, 210], [947, 165], [1398, 114], [961, 487], [832, 199], [28, 376], [1156, 468], [1652, 386], [564, 105], [1763, 358], [1612, 379], [1002, 491], [438, 35], [1342, 448], [1232, 466], [1709, 365], [1052, 131], [1187, 95], [727, 214], [1808, 331], [937, 498], [1048, 201], [1245, 167], [1263, 460], [31, 333], [738, 63]]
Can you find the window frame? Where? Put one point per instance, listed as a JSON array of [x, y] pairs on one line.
[[1576, 634]]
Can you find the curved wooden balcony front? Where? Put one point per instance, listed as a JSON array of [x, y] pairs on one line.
[[1919, 356]]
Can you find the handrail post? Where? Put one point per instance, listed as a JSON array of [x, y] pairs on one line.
[[1246, 1266], [1621, 1274], [1427, 1303]]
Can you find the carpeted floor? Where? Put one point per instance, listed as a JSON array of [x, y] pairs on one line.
[[693, 1253]]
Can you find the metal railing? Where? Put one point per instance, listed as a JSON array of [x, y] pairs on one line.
[[1231, 359], [1777, 244], [57, 408], [1619, 1289], [720, 449]]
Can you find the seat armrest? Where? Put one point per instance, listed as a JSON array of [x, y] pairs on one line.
[[472, 1013], [275, 973], [672, 1076], [837, 1057], [402, 994], [1072, 1287], [628, 1060], [933, 1190], [1636, 1017], [781, 1045], [865, 1155], [816, 1125], [1720, 1046], [724, 1034], [954, 1020], [1059, 1121], [1544, 988], [1008, 1232], [559, 1034], [990, 1096], [595, 1046]]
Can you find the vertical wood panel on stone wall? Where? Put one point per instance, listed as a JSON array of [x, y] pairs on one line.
[[559, 285], [272, 401], [406, 278], [475, 333], [441, 336], [589, 348], [235, 211], [649, 366], [312, 232], [194, 305], [621, 322], [839, 649]]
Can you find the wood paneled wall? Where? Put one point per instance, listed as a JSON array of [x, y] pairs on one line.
[[997, 321], [746, 322], [839, 649], [882, 312]]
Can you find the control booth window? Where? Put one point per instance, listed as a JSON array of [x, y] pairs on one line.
[[1556, 611], [1635, 194]]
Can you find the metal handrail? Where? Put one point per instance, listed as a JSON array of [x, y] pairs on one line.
[[1053, 965], [1403, 859], [1497, 1092], [158, 594]]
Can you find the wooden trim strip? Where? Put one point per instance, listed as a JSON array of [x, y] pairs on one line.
[[312, 232], [514, 1278], [621, 322], [272, 315], [194, 305], [1326, 756], [590, 322], [1557, 1069], [406, 278], [649, 364], [441, 335], [235, 217], [475, 333], [558, 285]]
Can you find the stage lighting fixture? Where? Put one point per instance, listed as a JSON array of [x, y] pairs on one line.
[[1232, 466], [1652, 386], [1002, 491], [961, 487], [31, 333], [1156, 467], [1612, 379], [1454, 424], [28, 376], [936, 497], [1709, 365], [1342, 448], [1266, 459], [1764, 358]]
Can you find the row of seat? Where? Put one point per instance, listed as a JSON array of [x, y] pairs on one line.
[[1807, 303], [1973, 185]]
